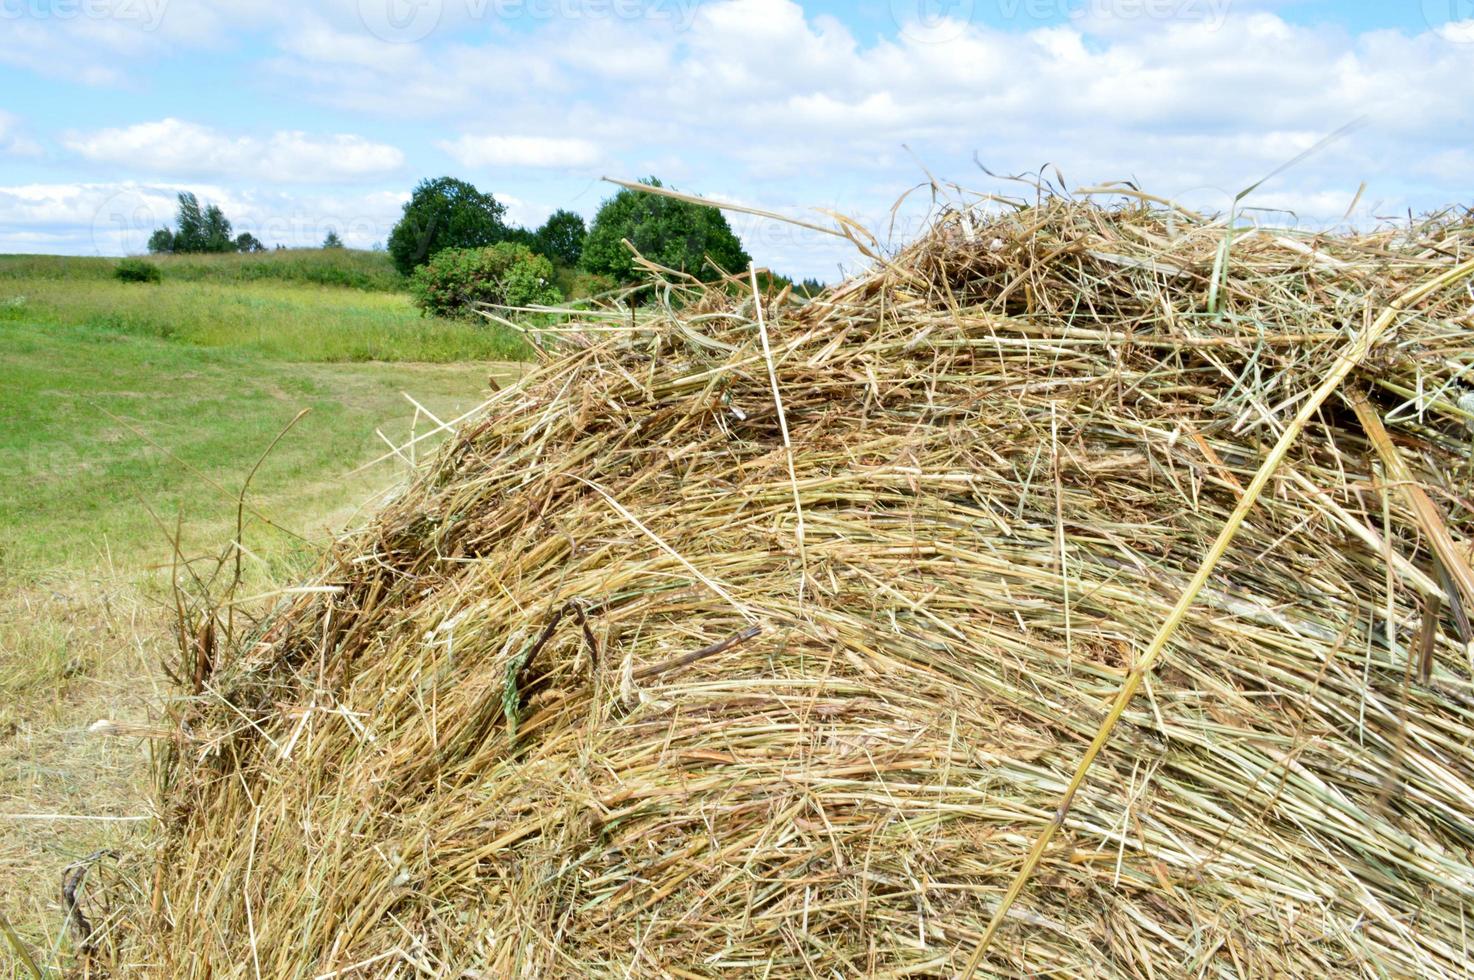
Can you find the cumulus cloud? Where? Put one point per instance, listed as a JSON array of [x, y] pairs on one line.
[[751, 79], [117, 218], [13, 140], [761, 99], [522, 151], [173, 147]]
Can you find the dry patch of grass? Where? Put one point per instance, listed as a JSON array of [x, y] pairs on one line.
[[73, 651]]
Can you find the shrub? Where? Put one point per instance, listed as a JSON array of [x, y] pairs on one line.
[[13, 308], [456, 279], [138, 270], [589, 284]]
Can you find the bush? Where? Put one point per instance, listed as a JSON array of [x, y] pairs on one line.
[[138, 270], [589, 284], [13, 308], [506, 274]]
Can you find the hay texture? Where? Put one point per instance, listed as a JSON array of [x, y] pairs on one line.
[[762, 638]]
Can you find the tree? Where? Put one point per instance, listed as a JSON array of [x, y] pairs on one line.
[[217, 231], [561, 237], [332, 241], [445, 213], [201, 229], [162, 240], [518, 235], [189, 234], [693, 238]]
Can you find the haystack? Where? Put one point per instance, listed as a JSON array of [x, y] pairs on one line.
[[765, 638]]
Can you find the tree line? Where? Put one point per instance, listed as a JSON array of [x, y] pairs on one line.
[[449, 213], [200, 229], [441, 240]]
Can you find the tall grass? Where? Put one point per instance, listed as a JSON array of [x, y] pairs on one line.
[[56, 267], [317, 266], [281, 320]]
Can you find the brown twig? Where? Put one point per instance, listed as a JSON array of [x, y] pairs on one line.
[[687, 659]]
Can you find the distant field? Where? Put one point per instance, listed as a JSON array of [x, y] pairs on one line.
[[314, 266], [272, 303], [127, 411]]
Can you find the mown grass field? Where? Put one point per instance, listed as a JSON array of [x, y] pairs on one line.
[[133, 412]]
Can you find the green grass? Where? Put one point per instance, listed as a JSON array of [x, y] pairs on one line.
[[311, 266], [104, 426], [119, 395], [128, 406], [281, 320]]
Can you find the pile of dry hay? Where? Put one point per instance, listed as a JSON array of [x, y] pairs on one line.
[[619, 687]]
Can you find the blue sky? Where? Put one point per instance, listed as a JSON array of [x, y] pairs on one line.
[[301, 117]]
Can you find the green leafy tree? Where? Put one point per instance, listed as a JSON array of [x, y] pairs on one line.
[[189, 225], [561, 238], [332, 241], [693, 238], [445, 213], [162, 240], [518, 235], [455, 280], [200, 229], [217, 231]]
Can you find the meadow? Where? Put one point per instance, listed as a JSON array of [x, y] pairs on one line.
[[130, 417], [280, 305]]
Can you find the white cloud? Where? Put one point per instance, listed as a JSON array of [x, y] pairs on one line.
[[117, 218], [13, 140], [522, 151], [760, 100], [172, 147], [1458, 31]]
